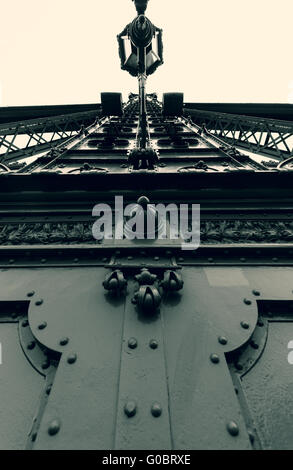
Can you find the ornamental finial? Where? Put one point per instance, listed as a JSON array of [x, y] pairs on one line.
[[141, 6]]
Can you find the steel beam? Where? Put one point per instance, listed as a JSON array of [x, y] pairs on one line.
[[44, 132], [269, 137]]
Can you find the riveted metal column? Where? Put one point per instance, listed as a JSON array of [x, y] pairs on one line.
[[142, 411], [198, 331], [79, 320]]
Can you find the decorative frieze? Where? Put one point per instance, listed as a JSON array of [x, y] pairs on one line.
[[212, 232]]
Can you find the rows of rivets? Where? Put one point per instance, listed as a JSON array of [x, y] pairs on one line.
[[156, 258], [130, 409], [132, 343]]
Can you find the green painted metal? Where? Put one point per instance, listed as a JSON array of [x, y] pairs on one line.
[[125, 380]]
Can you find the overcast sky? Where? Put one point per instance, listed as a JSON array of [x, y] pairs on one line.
[[65, 51]]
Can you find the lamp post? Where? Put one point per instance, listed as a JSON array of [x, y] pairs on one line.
[[146, 54]]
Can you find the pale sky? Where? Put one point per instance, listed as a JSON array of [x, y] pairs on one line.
[[65, 51]]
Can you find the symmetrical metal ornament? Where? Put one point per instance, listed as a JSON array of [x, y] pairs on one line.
[[115, 282]]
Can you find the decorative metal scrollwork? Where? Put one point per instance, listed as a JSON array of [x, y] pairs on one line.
[[148, 299], [172, 281], [115, 282], [143, 158], [200, 166], [145, 277]]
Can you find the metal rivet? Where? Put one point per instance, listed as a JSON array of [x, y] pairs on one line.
[[156, 258], [215, 359], [232, 428], [11, 261], [76, 260], [260, 323], [105, 259], [43, 260], [254, 345], [236, 390], [132, 343], [130, 408], [181, 259], [48, 390], [256, 292], [31, 345], [71, 358], [275, 259], [245, 325], [247, 301], [46, 365], [251, 436], [34, 437], [242, 260], [25, 323], [210, 260], [222, 340], [39, 302], [54, 427], [30, 294], [130, 258], [153, 344], [14, 315], [42, 326], [238, 366], [63, 341], [156, 410]]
